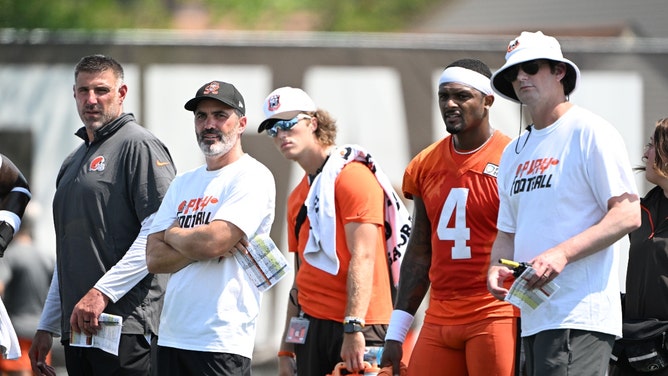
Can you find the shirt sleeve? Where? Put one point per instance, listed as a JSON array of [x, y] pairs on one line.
[[506, 220], [254, 193], [610, 169], [50, 319], [359, 196], [130, 269]]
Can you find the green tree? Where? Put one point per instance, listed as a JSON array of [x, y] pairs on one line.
[[321, 15]]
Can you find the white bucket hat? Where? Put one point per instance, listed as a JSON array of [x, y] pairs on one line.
[[284, 104], [531, 46]]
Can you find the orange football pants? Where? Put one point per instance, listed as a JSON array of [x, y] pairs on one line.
[[485, 348]]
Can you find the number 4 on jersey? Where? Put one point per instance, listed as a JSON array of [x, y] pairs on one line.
[[455, 205]]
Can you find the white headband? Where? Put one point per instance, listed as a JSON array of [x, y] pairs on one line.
[[466, 77]]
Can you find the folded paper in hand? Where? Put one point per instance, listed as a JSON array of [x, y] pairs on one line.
[[264, 263], [521, 296], [106, 339]]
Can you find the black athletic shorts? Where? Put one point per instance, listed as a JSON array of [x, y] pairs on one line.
[[322, 349], [178, 362]]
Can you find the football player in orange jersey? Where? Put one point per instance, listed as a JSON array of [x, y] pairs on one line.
[[453, 186]]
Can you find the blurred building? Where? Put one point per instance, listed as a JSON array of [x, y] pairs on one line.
[[577, 18]]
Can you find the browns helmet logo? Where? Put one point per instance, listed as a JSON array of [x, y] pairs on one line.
[[273, 103], [513, 45], [97, 164], [211, 88]]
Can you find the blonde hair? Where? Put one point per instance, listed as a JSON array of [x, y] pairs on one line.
[[326, 131]]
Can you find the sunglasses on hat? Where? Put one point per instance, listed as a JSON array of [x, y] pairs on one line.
[[285, 125], [530, 67]]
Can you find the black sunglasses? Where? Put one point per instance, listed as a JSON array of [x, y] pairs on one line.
[[530, 67]]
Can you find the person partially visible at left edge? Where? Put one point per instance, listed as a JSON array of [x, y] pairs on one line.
[[25, 267], [107, 192], [567, 194], [14, 197], [209, 319]]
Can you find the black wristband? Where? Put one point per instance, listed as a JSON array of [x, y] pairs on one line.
[[6, 236]]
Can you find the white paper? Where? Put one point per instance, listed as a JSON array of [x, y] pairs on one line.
[[264, 263], [106, 339], [524, 298]]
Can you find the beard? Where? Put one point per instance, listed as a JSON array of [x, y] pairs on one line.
[[454, 129], [216, 148]]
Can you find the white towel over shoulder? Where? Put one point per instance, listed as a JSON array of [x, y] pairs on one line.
[[320, 248], [9, 342]]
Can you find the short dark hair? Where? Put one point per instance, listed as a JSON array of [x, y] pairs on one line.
[[569, 78], [98, 63], [474, 65]]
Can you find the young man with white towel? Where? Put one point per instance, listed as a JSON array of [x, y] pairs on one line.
[[337, 218]]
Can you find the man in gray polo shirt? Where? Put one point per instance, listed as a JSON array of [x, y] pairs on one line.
[[107, 191]]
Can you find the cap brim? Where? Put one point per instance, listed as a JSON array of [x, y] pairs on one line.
[[502, 87], [191, 105], [269, 122]]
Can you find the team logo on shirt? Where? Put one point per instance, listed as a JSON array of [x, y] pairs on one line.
[[534, 174], [97, 164], [491, 169], [194, 212]]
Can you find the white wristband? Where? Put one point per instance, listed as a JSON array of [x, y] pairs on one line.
[[400, 323], [11, 218]]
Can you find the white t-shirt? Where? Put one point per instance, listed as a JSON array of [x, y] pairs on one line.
[[212, 305], [557, 186]]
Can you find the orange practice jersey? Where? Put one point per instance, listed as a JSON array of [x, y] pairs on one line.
[[461, 198], [359, 198]]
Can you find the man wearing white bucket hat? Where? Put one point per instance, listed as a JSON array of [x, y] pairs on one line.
[[567, 194]]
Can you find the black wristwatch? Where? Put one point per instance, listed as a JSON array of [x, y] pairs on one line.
[[352, 327]]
